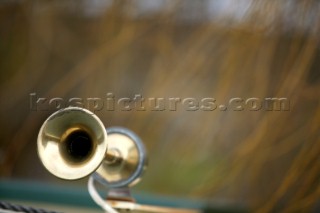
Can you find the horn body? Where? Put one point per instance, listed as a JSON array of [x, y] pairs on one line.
[[73, 143]]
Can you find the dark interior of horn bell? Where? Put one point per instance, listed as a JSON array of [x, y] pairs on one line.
[[78, 146]]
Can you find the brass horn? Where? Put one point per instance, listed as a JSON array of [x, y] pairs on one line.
[[73, 143]]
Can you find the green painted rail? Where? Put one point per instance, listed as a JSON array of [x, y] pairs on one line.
[[76, 196]]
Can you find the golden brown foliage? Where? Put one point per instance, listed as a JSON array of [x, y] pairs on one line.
[[267, 160]]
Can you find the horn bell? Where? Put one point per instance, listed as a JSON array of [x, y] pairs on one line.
[[72, 143]]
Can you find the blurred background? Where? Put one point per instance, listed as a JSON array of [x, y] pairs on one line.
[[267, 161]]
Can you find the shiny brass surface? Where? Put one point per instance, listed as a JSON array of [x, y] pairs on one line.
[[72, 143], [125, 166]]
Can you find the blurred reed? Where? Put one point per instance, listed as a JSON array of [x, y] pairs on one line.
[[266, 160]]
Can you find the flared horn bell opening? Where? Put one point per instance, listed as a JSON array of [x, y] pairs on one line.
[[72, 143]]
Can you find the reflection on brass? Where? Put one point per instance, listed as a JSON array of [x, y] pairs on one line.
[[73, 143], [127, 160]]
